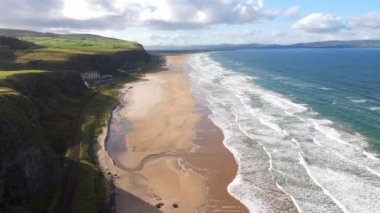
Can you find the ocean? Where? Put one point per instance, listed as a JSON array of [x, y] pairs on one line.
[[303, 125]]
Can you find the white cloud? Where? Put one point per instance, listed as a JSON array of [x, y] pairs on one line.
[[369, 20], [119, 14], [292, 11], [190, 14], [83, 9], [319, 23], [210, 19]]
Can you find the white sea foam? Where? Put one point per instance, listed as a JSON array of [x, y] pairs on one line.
[[266, 132], [336, 201], [359, 101], [280, 78], [325, 88], [375, 108], [370, 156]]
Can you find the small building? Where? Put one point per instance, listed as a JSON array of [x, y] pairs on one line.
[[93, 77], [90, 75]]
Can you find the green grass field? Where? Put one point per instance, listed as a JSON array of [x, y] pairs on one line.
[[7, 91], [61, 47], [6, 73], [85, 43]]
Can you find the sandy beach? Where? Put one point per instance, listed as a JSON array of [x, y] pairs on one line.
[[163, 153]]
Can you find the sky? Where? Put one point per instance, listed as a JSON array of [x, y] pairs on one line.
[[194, 22]]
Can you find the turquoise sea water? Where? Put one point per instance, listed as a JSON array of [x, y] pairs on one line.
[[341, 84], [303, 125]]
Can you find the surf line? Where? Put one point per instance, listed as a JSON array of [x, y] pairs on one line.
[[336, 201]]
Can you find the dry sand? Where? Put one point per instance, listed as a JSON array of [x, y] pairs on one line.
[[159, 164]]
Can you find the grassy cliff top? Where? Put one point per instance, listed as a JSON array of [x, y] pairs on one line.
[[82, 43], [6, 73], [7, 91], [59, 47]]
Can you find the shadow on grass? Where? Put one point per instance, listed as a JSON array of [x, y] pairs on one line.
[[91, 196]]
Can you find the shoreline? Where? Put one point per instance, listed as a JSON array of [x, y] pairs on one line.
[[215, 161], [177, 152]]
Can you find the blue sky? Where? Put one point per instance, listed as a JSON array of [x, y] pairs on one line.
[[187, 22], [344, 8]]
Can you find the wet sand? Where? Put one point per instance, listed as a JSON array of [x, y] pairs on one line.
[[170, 153], [214, 161]]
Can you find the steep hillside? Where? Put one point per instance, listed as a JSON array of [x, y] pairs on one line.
[[27, 162], [58, 96], [40, 115], [37, 111]]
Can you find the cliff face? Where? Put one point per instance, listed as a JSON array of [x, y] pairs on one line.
[[58, 97], [125, 60], [37, 112], [27, 163], [103, 63]]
